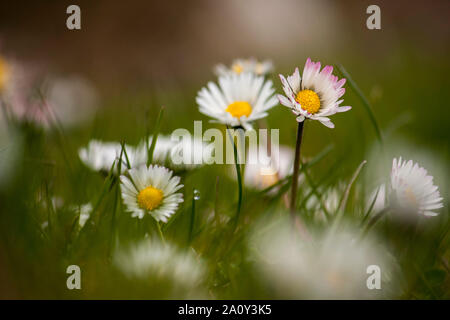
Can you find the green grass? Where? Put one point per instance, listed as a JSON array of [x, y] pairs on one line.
[[35, 259]]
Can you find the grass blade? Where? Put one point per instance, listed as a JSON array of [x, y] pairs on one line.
[[372, 204], [364, 101], [154, 137], [317, 194], [343, 202], [191, 225], [239, 180]]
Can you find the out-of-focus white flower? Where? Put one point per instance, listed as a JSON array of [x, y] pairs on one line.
[[189, 153], [100, 156], [66, 100], [412, 189], [263, 171], [259, 68], [85, 213], [425, 185], [332, 265], [148, 259], [238, 100], [316, 95], [72, 99], [13, 80], [185, 154], [151, 190], [163, 147], [16, 90]]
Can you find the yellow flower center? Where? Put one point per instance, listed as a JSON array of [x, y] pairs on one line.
[[150, 198], [259, 68], [239, 108], [309, 101], [268, 177], [237, 68], [411, 197], [3, 73]]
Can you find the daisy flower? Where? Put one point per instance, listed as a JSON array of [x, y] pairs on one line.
[[332, 265], [413, 189], [100, 156], [189, 153], [17, 94], [151, 190], [153, 259], [16, 88], [259, 68], [238, 100], [316, 96]]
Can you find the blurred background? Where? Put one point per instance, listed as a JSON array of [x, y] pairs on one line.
[[139, 55], [140, 45]]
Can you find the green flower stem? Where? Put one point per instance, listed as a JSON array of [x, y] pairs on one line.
[[191, 226], [239, 180], [374, 219], [296, 167], [161, 236]]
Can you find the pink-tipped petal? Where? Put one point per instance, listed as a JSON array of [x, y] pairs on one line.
[[340, 83], [308, 63], [343, 109], [328, 124], [327, 71], [294, 80], [284, 101]]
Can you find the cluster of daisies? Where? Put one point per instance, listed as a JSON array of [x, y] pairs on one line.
[[241, 95], [150, 175], [147, 188]]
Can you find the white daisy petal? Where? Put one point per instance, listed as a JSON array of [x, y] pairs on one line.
[[294, 80], [155, 193], [328, 124], [284, 101]]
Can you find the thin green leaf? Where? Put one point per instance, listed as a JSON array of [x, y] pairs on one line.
[[364, 101], [344, 198], [369, 210], [192, 221], [154, 137]]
